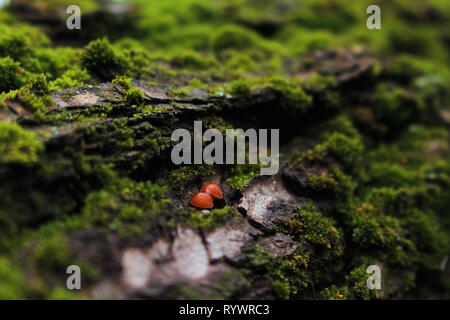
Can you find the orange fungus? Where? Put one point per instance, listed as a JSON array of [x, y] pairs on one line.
[[213, 189], [202, 200]]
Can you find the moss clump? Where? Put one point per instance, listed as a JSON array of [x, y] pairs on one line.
[[295, 96], [307, 223], [18, 145], [347, 150], [233, 37], [211, 219], [100, 59], [182, 92], [126, 207], [126, 137], [231, 285], [14, 45], [134, 96], [242, 175], [404, 68], [12, 282], [123, 81], [341, 124], [335, 293], [393, 174], [12, 76], [193, 61], [72, 78], [53, 254], [388, 200], [335, 184], [357, 284], [32, 101], [395, 107], [47, 252], [240, 88], [374, 230], [60, 293], [38, 83], [187, 173], [355, 287], [289, 276]]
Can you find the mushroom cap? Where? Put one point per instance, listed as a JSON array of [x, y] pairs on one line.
[[202, 200], [213, 189]]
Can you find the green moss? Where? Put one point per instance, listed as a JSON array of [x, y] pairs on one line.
[[211, 219], [301, 41], [334, 293], [12, 76], [33, 102], [372, 229], [53, 61], [18, 145], [347, 150], [404, 68], [319, 83], [412, 210], [72, 78], [231, 285], [126, 207], [292, 91], [53, 254], [238, 63], [38, 83], [126, 137], [357, 284], [134, 96], [61, 293], [341, 124], [393, 174], [290, 276], [307, 223], [322, 183], [193, 61], [389, 200], [197, 84], [14, 45], [242, 175], [181, 291], [281, 288], [12, 282], [123, 81], [100, 59], [182, 92], [240, 88], [395, 107], [233, 37], [187, 173]]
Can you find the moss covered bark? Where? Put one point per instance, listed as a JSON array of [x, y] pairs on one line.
[[85, 146]]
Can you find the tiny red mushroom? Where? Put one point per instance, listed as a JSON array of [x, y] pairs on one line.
[[202, 200], [213, 189]]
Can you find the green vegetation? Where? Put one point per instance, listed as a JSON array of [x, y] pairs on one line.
[[101, 60], [209, 220], [18, 145], [310, 225], [125, 207], [372, 163], [10, 74], [12, 284]]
